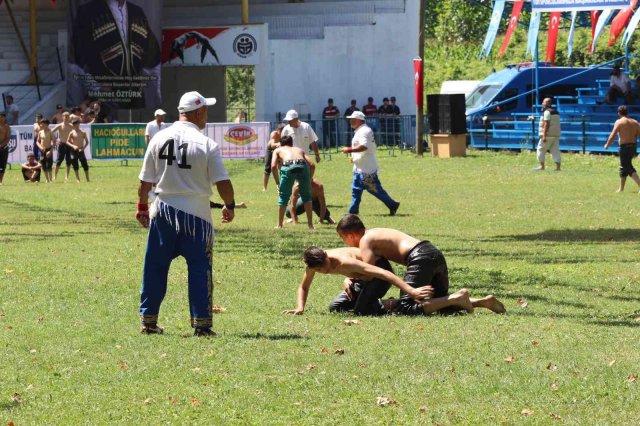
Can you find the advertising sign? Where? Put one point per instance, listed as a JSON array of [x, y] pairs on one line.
[[114, 53], [231, 45], [22, 140], [240, 140], [112, 141]]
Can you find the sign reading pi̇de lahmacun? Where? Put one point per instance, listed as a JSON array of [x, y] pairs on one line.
[[569, 5]]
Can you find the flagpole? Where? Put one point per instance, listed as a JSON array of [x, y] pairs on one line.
[[537, 81]]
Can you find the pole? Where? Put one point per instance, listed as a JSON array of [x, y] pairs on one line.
[[33, 58], [245, 12], [537, 84], [419, 105]]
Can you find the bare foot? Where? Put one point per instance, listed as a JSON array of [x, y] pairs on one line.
[[241, 205], [619, 190], [490, 302], [461, 299], [278, 227]]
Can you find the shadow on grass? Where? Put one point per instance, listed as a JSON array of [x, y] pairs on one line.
[[258, 336], [8, 406], [617, 323], [530, 257], [575, 235]]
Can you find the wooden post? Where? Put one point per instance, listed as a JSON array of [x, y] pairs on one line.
[[419, 106], [245, 12]]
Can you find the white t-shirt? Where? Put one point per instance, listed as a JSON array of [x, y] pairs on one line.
[[620, 81], [183, 163], [365, 161], [302, 136], [153, 128]]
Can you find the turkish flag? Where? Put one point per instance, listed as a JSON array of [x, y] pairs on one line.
[[554, 24], [620, 21], [594, 22], [513, 23]]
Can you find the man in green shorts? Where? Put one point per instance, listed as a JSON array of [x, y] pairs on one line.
[[295, 166]]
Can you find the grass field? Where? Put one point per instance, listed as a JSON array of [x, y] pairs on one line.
[[560, 249]]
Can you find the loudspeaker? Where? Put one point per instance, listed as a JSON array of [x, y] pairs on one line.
[[433, 102], [451, 118], [446, 114]]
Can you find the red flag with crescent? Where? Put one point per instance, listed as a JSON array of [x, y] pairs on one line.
[[620, 21], [554, 24], [594, 21], [513, 23]]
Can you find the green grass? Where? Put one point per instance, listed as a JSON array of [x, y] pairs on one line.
[[566, 243]]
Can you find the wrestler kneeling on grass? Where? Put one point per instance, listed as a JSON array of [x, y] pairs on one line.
[[365, 284], [425, 263]]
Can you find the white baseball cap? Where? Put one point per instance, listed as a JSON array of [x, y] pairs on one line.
[[159, 112], [358, 115], [291, 115], [192, 101]]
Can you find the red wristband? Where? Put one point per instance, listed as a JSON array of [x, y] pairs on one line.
[[349, 149], [143, 207]]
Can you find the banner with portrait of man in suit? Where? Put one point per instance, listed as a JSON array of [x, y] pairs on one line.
[[114, 53]]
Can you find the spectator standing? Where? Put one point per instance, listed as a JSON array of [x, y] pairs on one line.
[[549, 132], [302, 134], [241, 117], [36, 130], [13, 112], [31, 169], [57, 117], [352, 108], [395, 123], [155, 125], [619, 86], [371, 111], [365, 166], [628, 131], [5, 137], [330, 115], [63, 130], [385, 112], [44, 141], [183, 164], [91, 116]]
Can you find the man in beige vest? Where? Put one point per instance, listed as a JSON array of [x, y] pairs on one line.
[[549, 132]]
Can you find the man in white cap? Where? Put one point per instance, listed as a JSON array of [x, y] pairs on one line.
[[365, 166], [302, 134], [155, 126], [183, 164]]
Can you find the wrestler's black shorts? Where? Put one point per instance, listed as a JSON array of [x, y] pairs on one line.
[[4, 157], [425, 266], [267, 162], [47, 159], [75, 156], [627, 152], [63, 155]]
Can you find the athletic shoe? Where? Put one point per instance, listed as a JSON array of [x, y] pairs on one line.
[[204, 332], [537, 169], [392, 211], [151, 329]]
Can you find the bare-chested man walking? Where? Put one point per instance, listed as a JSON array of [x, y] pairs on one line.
[[77, 142], [628, 131], [44, 141], [295, 165], [425, 264], [63, 130]]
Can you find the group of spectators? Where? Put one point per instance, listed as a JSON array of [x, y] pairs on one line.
[[384, 115], [66, 137]]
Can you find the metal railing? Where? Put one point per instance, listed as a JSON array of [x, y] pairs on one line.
[[391, 134]]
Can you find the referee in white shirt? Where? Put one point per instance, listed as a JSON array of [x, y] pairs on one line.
[[365, 166], [302, 133], [155, 126], [183, 164]]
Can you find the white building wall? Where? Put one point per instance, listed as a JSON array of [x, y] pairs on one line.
[[349, 63]]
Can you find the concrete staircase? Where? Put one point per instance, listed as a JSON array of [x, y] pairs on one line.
[[14, 66]]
